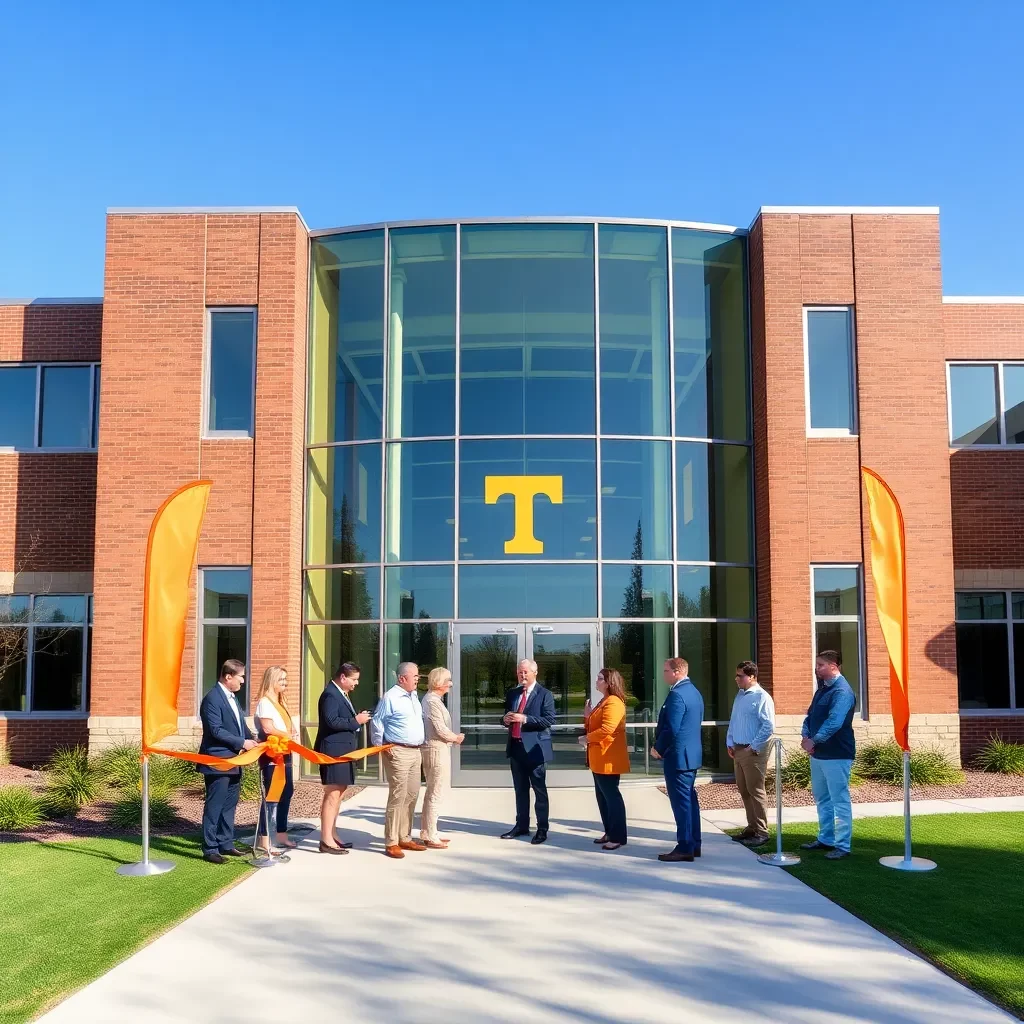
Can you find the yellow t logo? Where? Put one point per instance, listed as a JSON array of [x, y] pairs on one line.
[[523, 490]]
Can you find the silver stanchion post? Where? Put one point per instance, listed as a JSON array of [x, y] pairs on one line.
[[146, 866], [778, 858], [907, 862]]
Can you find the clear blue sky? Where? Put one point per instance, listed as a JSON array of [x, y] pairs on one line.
[[369, 111]]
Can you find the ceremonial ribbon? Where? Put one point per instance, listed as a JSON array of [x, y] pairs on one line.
[[276, 748]]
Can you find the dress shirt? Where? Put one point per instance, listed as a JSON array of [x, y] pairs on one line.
[[753, 719], [348, 699], [836, 717], [234, 705], [398, 719]]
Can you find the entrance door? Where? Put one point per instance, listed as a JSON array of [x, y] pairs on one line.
[[484, 662]]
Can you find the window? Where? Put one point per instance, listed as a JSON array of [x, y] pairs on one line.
[[838, 621], [49, 406], [986, 404], [829, 371], [223, 624], [990, 650], [44, 653], [230, 372]]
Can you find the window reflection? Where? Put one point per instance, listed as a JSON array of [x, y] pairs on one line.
[[713, 502], [639, 650], [420, 504], [636, 503], [343, 521], [637, 591], [342, 594], [713, 650], [634, 329], [528, 591], [830, 369], [419, 591], [527, 325], [712, 592]]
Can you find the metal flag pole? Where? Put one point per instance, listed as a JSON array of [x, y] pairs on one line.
[[145, 866], [907, 862], [778, 858]]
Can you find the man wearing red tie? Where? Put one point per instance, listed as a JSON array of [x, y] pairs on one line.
[[529, 715]]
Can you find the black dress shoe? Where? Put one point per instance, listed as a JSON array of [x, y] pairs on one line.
[[344, 846], [816, 846], [214, 858], [675, 856], [230, 853], [515, 832], [696, 852], [540, 837]]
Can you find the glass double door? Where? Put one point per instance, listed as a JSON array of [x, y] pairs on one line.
[[485, 660]]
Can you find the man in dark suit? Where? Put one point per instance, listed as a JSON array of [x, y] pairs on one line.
[[529, 715], [225, 734], [678, 743]]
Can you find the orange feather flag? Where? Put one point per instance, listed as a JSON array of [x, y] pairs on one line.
[[889, 572], [170, 557]]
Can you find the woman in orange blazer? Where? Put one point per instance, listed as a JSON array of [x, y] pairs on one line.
[[607, 755]]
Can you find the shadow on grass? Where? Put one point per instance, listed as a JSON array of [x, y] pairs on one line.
[[185, 847]]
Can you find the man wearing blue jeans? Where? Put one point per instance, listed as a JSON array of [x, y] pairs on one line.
[[828, 738]]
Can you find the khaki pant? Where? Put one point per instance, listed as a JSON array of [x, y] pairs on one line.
[[437, 770], [402, 770], [750, 772]]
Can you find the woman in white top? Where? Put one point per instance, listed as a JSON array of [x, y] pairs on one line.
[[437, 757], [274, 719]]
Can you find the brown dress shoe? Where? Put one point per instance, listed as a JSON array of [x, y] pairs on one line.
[[336, 850], [411, 844], [675, 856], [394, 851]]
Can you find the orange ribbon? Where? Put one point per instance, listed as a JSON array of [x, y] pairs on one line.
[[276, 748]]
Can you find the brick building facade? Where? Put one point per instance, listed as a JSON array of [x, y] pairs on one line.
[[74, 518]]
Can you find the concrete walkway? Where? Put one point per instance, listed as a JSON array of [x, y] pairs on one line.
[[505, 932], [894, 808]]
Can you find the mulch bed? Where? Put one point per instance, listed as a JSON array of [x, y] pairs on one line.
[[188, 804]]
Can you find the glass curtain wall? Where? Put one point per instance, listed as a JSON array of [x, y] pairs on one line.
[[530, 422]]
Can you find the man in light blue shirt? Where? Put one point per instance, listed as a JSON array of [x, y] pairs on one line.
[[750, 728], [398, 720]]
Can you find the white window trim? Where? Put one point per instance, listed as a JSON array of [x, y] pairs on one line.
[[30, 627], [208, 433], [1008, 622], [862, 695], [831, 431], [1000, 365], [204, 620], [37, 431]]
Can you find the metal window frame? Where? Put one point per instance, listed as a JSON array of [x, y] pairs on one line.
[[202, 620], [1012, 710], [30, 626], [999, 365], [37, 427], [851, 334], [208, 433], [862, 694]]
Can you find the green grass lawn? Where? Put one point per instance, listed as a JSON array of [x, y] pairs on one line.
[[967, 916], [67, 917]]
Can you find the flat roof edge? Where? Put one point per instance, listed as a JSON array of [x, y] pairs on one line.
[[129, 211], [877, 210], [984, 300], [92, 300], [444, 222]]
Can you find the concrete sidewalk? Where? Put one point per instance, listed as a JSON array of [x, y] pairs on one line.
[[492, 931], [979, 805]]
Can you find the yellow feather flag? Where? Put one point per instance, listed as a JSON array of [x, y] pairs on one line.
[[889, 572], [170, 556]]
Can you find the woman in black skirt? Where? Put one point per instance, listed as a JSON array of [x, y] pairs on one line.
[[337, 734]]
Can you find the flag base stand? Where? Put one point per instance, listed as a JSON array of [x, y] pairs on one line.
[[902, 864], [781, 860], [778, 858], [908, 862], [146, 867]]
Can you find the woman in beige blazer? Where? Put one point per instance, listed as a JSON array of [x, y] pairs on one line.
[[437, 757]]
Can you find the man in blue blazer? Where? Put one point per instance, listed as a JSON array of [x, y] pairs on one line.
[[678, 743], [529, 715], [225, 734]]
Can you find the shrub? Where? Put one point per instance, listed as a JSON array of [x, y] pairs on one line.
[[121, 765], [19, 809], [999, 756], [249, 788], [58, 805], [796, 771], [72, 779], [929, 766], [126, 812], [171, 772], [5, 753]]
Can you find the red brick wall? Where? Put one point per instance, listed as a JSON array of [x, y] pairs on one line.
[[162, 271], [975, 732], [809, 492], [31, 741], [50, 333]]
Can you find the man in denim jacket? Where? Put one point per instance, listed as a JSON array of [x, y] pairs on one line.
[[828, 738]]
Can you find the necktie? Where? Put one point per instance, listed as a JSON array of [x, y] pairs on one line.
[[517, 728]]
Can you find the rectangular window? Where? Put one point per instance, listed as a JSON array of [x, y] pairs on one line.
[[49, 406], [44, 653], [829, 371], [230, 372], [990, 650], [986, 404], [223, 624], [837, 620]]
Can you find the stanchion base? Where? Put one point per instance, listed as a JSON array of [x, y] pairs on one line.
[[269, 862], [152, 867], [781, 860], [914, 864]]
